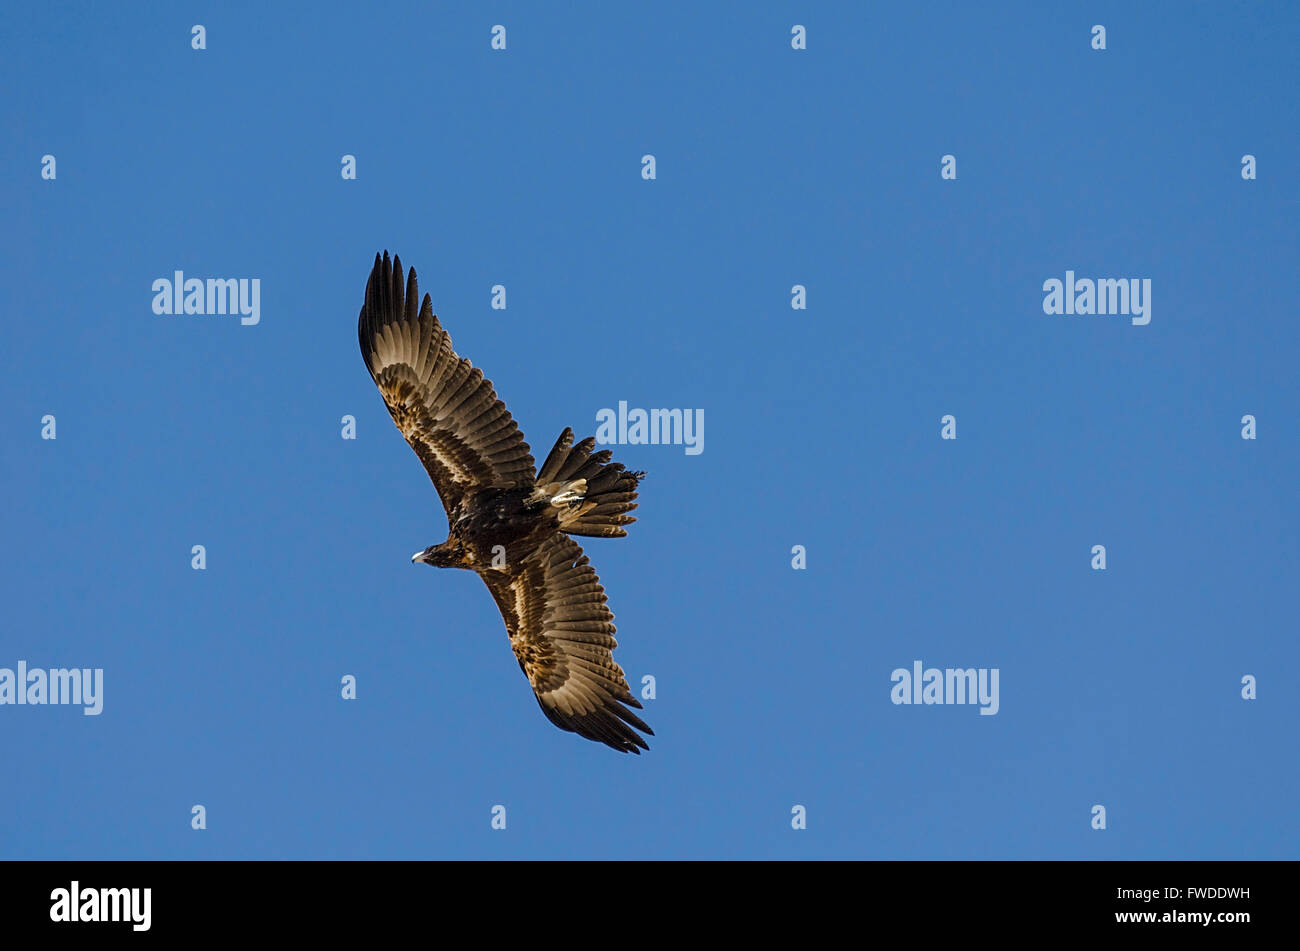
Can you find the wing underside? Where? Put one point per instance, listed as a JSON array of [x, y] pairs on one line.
[[448, 412], [562, 634]]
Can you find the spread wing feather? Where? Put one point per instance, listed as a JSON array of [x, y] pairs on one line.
[[562, 634], [444, 407]]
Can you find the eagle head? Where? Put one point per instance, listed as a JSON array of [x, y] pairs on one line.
[[448, 554]]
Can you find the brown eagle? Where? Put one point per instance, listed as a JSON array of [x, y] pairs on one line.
[[506, 522]]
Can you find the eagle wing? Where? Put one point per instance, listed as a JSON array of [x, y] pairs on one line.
[[562, 633], [447, 411]]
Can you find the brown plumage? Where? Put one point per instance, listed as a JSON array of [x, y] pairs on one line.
[[506, 522]]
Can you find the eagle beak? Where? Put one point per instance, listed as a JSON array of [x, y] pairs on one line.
[[418, 556]]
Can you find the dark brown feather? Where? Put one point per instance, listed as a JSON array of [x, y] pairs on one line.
[[562, 634], [446, 409]]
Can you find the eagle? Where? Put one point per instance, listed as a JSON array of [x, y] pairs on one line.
[[510, 524]]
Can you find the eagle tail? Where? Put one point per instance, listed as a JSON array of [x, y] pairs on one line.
[[592, 493]]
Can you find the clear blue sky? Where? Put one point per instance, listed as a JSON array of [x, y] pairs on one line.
[[775, 167]]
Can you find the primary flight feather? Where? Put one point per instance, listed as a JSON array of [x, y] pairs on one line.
[[506, 522]]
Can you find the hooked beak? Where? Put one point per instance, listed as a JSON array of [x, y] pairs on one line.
[[418, 556]]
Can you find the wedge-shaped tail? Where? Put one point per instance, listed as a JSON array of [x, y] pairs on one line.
[[592, 494]]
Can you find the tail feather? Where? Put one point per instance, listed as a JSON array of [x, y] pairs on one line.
[[592, 493], [603, 482], [551, 467], [578, 458]]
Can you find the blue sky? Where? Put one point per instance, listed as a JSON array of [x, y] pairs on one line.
[[774, 167]]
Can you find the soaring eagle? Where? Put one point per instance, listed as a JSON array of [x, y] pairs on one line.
[[507, 523]]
